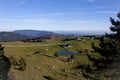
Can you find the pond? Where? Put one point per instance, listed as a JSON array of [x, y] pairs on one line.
[[64, 52]]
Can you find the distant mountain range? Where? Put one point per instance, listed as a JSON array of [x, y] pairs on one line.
[[26, 34], [35, 33], [11, 36]]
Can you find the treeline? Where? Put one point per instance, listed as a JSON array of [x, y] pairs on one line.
[[38, 39]]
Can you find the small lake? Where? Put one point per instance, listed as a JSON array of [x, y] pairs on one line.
[[64, 52]]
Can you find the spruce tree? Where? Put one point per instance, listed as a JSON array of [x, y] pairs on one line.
[[109, 49], [4, 65]]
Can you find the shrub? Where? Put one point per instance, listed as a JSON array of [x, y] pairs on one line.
[[4, 65], [22, 64]]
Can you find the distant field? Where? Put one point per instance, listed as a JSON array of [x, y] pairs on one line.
[[20, 48]]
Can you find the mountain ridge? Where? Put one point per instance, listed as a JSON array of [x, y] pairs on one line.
[[36, 33]]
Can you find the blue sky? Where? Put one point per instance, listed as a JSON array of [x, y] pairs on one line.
[[57, 15]]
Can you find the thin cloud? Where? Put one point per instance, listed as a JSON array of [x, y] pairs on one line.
[[90, 0], [107, 12], [78, 22], [29, 20], [48, 21], [38, 20], [41, 15], [56, 21], [60, 14], [107, 6], [56, 14], [52, 14], [100, 7], [21, 2]]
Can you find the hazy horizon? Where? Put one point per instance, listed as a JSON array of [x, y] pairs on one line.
[[59, 30], [75, 33]]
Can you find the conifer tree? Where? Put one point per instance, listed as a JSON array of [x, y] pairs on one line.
[[109, 45]]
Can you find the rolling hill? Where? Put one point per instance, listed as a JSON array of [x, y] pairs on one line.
[[24, 34]]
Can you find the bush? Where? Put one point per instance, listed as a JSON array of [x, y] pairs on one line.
[[19, 64], [49, 78], [56, 55]]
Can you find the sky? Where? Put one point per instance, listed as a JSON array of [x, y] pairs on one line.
[[57, 15]]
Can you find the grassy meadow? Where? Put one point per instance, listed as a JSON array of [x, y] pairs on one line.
[[44, 64]]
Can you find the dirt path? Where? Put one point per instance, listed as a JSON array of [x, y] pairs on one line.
[[30, 45]]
